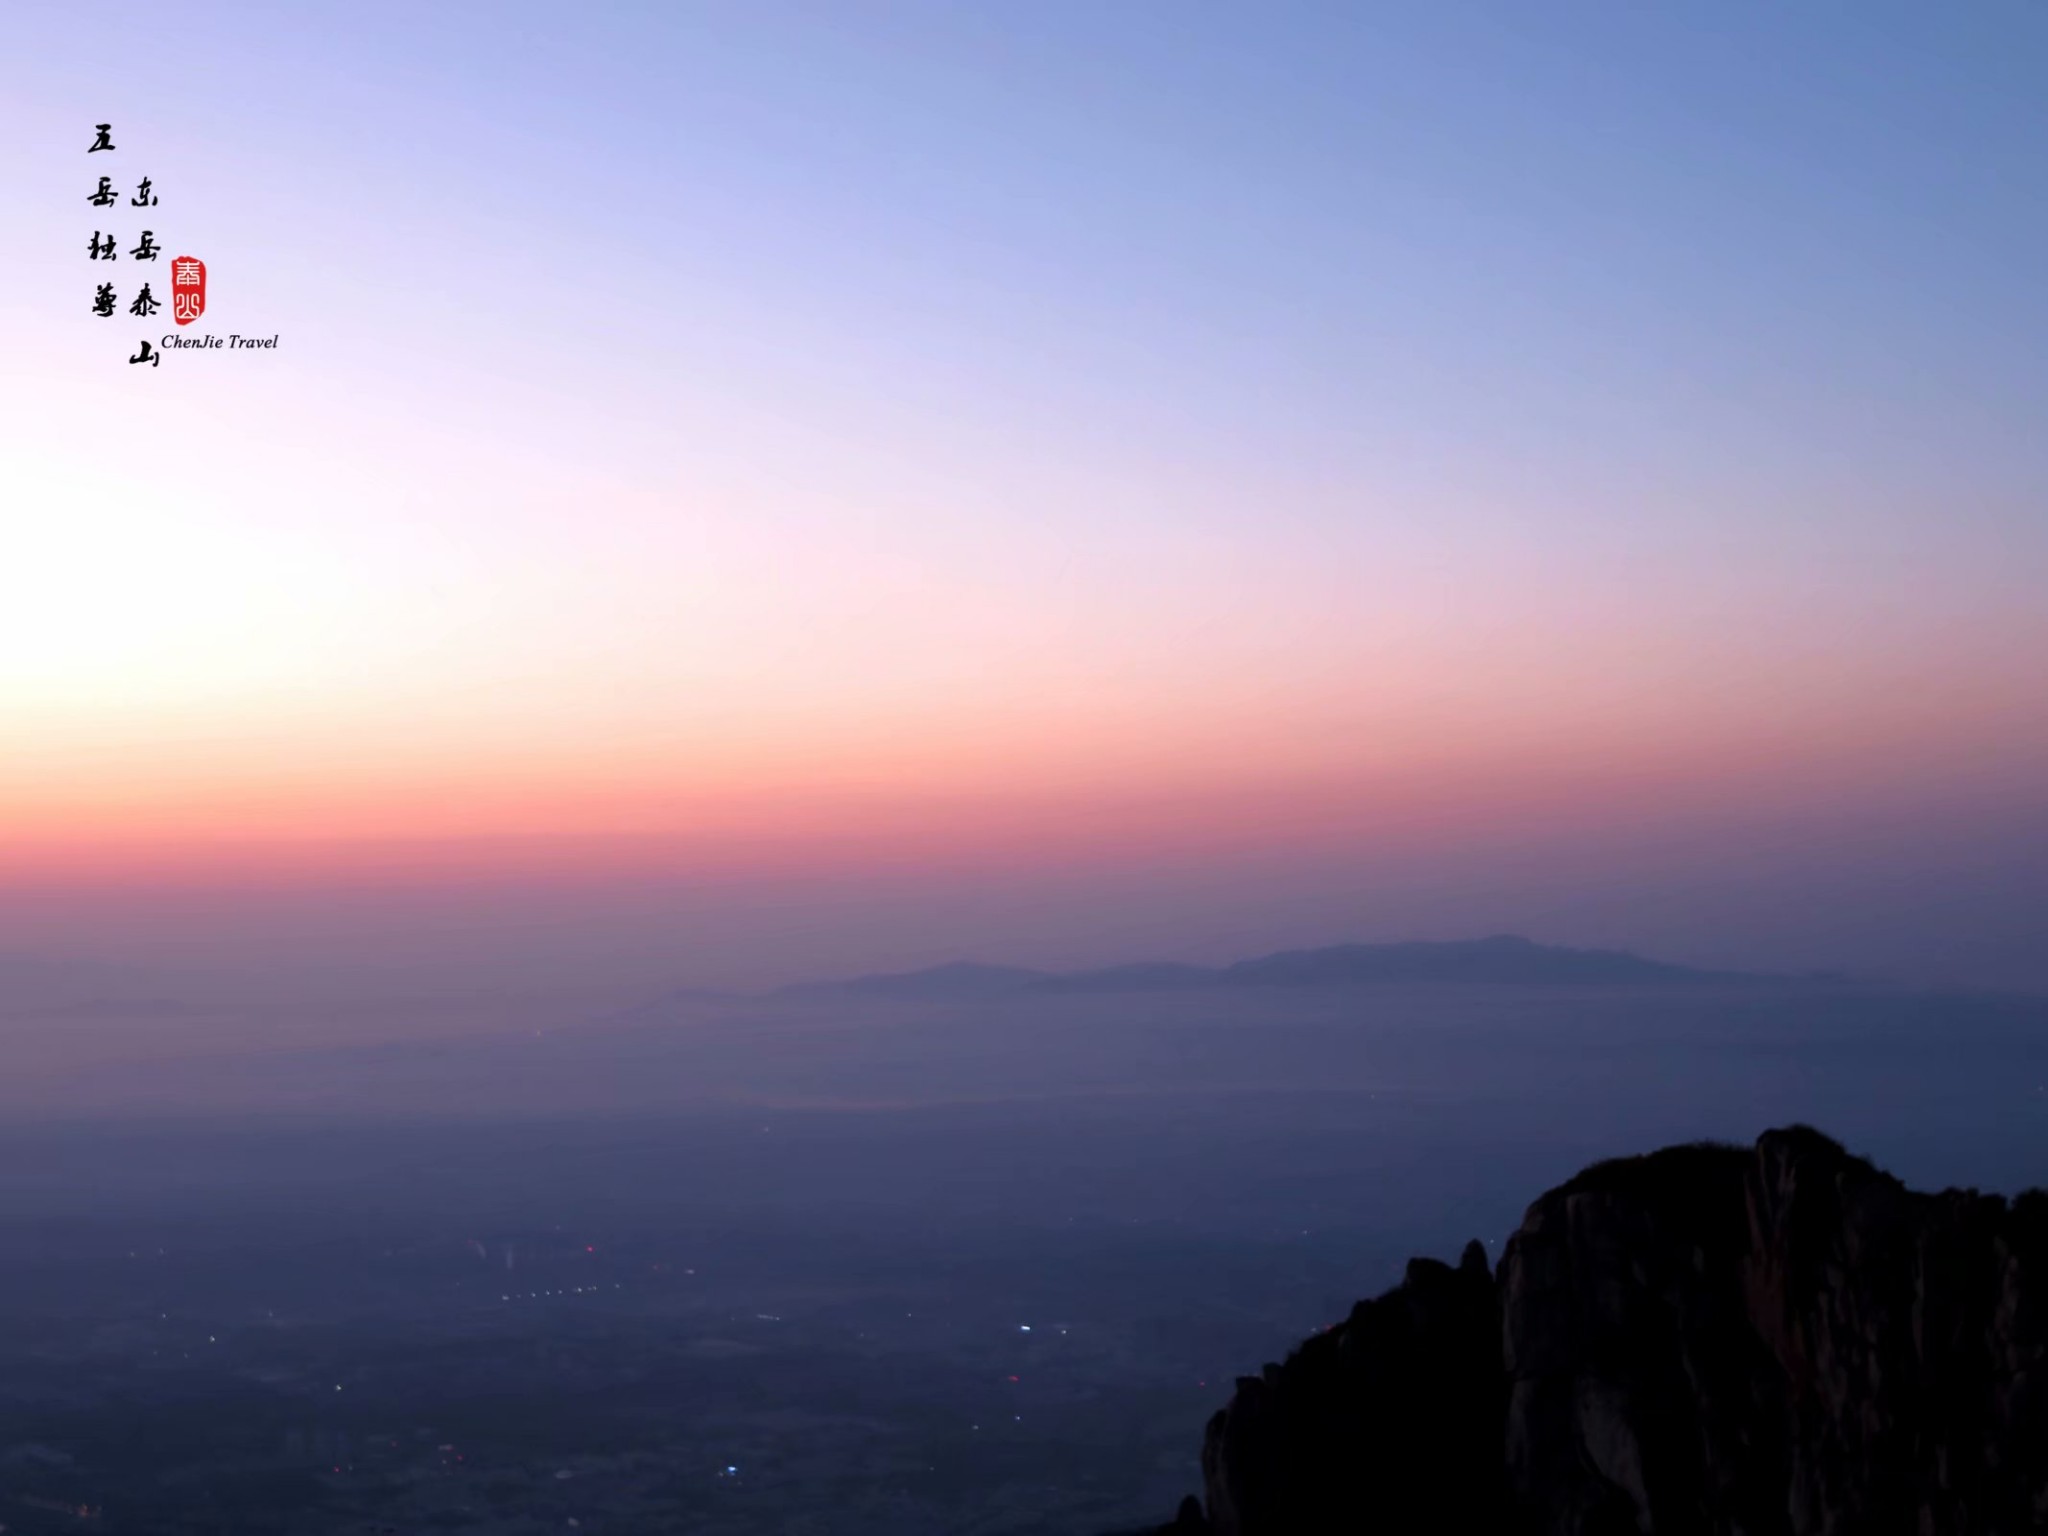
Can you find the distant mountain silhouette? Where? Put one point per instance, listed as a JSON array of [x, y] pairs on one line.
[[1503, 957], [665, 1007], [963, 978], [1502, 960], [1144, 976]]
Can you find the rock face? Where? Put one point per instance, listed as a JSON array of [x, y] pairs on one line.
[[1713, 1341]]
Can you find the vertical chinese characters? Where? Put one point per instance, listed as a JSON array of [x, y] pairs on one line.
[[188, 273]]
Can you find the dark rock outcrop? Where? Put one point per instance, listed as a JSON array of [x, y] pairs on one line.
[[1710, 1340]]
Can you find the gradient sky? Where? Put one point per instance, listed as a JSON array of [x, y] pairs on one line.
[[749, 490]]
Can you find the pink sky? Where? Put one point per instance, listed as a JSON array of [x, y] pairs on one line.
[[823, 477]]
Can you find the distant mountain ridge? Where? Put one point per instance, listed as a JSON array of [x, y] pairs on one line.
[[1504, 959]]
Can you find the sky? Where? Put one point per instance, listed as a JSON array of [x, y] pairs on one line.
[[743, 492]]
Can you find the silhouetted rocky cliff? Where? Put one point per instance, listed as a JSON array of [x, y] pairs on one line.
[[1771, 1341]]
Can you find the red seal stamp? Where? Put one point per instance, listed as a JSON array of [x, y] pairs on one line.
[[188, 289]]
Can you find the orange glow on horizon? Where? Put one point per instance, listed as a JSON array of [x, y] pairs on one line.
[[575, 816]]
